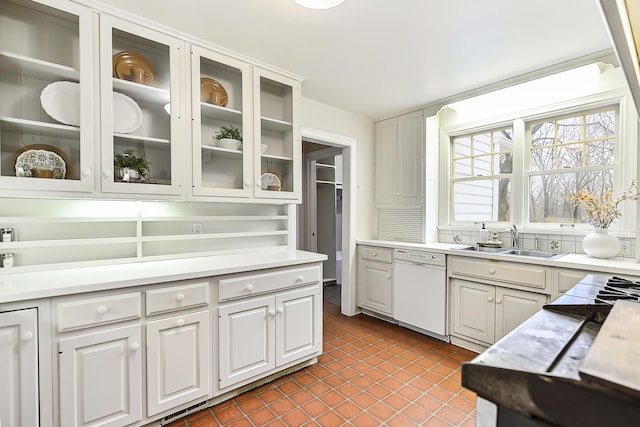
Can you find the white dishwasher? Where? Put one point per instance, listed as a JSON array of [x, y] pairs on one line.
[[420, 290]]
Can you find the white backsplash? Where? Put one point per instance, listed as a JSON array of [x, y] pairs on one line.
[[547, 242]]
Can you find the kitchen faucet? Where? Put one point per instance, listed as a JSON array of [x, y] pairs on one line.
[[514, 236]]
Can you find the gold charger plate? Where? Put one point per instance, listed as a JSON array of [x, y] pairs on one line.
[[41, 161], [133, 67], [213, 92]]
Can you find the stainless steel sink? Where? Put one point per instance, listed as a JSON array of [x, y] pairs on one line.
[[518, 252], [535, 254]]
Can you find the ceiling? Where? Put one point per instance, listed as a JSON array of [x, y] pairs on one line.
[[379, 58]]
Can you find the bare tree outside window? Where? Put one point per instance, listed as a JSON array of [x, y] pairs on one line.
[[566, 155]]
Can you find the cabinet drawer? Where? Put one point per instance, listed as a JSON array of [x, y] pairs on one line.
[[247, 285], [97, 311], [177, 297], [373, 253], [531, 276]]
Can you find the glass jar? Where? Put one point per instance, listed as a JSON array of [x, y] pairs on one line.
[[6, 260], [7, 234]]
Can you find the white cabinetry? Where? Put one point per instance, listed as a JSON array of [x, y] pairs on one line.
[[400, 159], [491, 298], [100, 367], [177, 346], [375, 279], [19, 368], [41, 46], [258, 334]]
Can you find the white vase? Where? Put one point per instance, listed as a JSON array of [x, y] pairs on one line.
[[601, 244]]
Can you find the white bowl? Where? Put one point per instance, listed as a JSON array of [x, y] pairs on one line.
[[263, 147], [230, 144]]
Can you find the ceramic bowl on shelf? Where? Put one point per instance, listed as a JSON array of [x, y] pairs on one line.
[[229, 144], [212, 92], [133, 67]]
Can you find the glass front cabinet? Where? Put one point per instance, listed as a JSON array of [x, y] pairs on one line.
[[46, 99], [142, 112], [94, 104]]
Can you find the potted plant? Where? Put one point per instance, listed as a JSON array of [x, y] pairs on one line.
[[229, 137], [129, 167]]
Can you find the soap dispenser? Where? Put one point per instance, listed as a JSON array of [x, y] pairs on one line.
[[484, 234]]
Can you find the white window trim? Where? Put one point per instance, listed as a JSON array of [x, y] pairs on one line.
[[624, 171]]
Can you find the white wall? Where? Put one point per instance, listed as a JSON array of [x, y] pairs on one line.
[[317, 115]]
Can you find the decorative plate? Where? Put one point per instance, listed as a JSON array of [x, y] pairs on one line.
[[133, 67], [212, 92], [127, 115], [270, 180], [41, 161], [61, 101]]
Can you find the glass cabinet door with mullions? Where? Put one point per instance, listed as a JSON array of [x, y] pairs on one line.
[[46, 109], [278, 135], [222, 125], [142, 113]]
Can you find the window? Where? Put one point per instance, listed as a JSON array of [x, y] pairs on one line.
[[481, 183], [567, 154]]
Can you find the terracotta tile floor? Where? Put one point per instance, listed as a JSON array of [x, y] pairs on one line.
[[372, 373]]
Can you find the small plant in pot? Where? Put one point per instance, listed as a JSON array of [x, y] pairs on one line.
[[129, 167], [229, 137]]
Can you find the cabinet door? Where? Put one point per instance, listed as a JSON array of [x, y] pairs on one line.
[[410, 158], [101, 378], [473, 310], [19, 368], [218, 170], [177, 361], [514, 307], [247, 339], [375, 287], [142, 110], [277, 143], [386, 178], [298, 324], [46, 108]]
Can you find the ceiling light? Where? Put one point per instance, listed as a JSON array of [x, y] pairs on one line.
[[319, 4]]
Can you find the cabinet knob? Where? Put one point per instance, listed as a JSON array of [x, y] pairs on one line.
[[86, 171], [27, 336], [272, 313], [180, 297], [374, 254], [492, 271], [388, 276], [247, 183], [498, 301], [258, 185], [250, 288], [300, 278], [134, 346], [279, 310], [490, 299], [180, 322], [102, 309], [108, 173]]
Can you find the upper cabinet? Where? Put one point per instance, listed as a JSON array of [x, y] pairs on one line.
[[46, 98], [142, 108], [400, 159], [94, 104]]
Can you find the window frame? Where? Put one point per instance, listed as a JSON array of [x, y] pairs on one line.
[[625, 168]]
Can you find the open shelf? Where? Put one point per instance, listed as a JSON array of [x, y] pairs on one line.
[[32, 126], [221, 113], [275, 125], [42, 70]]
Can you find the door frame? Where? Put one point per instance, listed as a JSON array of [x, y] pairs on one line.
[[348, 146]]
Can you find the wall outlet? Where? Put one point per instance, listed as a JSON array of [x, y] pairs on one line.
[[625, 247], [197, 228]]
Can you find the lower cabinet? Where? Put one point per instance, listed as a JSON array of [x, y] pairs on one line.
[[19, 368], [177, 361], [486, 313], [101, 377], [375, 279], [260, 334]]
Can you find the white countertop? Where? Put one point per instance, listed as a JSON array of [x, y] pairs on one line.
[[616, 265], [43, 284]]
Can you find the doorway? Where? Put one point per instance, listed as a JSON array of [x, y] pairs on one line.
[[326, 221]]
